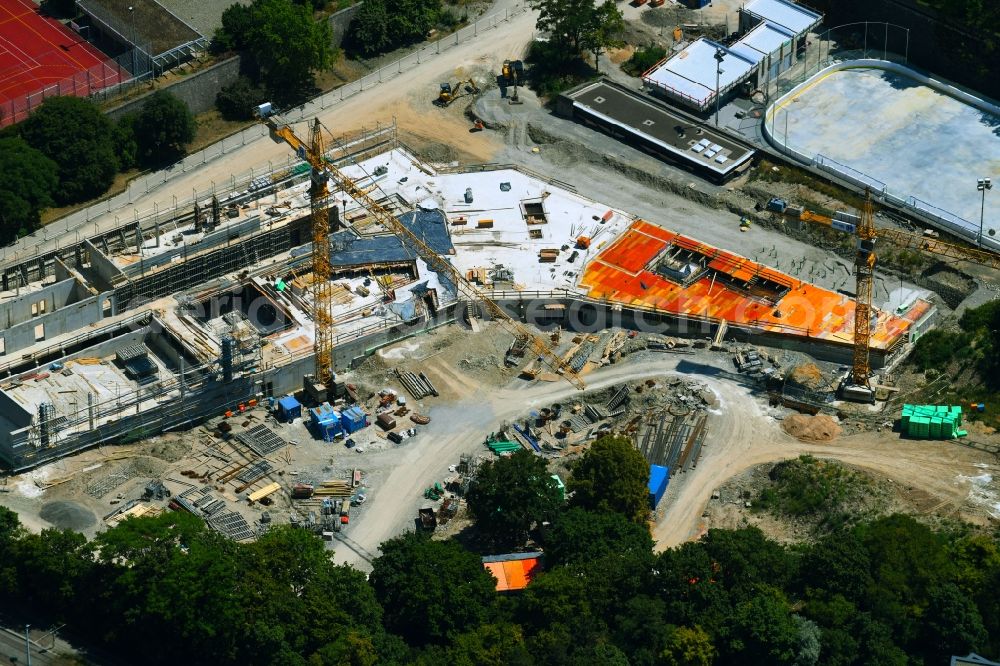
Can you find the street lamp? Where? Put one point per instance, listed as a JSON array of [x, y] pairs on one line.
[[135, 66], [719, 55], [983, 185], [27, 644]]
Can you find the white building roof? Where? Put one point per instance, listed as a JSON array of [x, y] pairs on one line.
[[691, 73], [764, 39], [789, 15]]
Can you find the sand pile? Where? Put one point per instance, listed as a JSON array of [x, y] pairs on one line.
[[808, 375], [819, 428]]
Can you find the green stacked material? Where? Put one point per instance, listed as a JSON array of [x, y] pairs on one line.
[[503, 447], [932, 421]]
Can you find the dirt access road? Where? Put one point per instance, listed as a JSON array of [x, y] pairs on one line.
[[741, 435]]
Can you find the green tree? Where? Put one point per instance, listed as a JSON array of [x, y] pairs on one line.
[[29, 180], [162, 129], [567, 22], [379, 27], [952, 624], [612, 476], [431, 589], [499, 644], [577, 535], [604, 30], [510, 494], [239, 100], [73, 133], [368, 33], [688, 646], [283, 41], [763, 630]]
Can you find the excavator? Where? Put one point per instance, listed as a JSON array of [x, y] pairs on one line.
[[512, 73], [449, 93]]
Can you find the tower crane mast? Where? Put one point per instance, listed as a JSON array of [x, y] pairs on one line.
[[859, 385], [319, 193]]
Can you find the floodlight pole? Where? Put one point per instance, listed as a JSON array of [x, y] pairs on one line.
[[983, 185], [719, 55], [135, 65]]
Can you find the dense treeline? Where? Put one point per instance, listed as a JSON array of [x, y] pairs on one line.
[[166, 590], [67, 152]]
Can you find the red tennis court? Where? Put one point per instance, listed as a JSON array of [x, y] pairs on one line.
[[40, 57]]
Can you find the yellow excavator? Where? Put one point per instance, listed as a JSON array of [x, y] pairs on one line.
[[449, 93], [512, 73]]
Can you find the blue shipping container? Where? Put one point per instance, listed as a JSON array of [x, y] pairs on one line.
[[659, 477]]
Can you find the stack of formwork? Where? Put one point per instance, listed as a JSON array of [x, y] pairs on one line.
[[932, 421]]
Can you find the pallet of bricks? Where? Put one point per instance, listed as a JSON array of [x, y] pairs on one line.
[[932, 421]]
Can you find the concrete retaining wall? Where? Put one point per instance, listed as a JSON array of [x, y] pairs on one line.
[[197, 90], [339, 22]]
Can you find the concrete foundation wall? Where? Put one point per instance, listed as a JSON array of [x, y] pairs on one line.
[[67, 319], [29, 306]]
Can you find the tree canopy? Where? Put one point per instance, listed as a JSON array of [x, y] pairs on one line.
[[284, 43], [612, 476], [890, 591], [379, 26], [29, 181], [162, 129], [580, 25], [431, 589], [73, 133], [510, 494]]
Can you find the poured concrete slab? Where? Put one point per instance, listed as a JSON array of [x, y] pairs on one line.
[[918, 141]]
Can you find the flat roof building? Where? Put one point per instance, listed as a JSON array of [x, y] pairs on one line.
[[656, 128], [771, 32], [792, 17]]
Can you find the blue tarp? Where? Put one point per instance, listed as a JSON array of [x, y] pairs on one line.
[[349, 249], [289, 408], [659, 477]]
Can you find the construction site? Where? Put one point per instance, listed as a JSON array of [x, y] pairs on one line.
[[337, 342]]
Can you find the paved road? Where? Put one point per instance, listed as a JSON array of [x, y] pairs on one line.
[[502, 33], [12, 648]]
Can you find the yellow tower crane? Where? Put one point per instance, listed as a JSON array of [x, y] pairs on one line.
[[319, 192], [322, 171], [859, 386]]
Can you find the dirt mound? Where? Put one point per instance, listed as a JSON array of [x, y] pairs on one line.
[[808, 376], [819, 428], [67, 515]]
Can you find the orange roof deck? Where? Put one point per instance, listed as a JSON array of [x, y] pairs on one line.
[[513, 574], [624, 273]]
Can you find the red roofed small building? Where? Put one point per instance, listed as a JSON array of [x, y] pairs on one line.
[[513, 571]]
